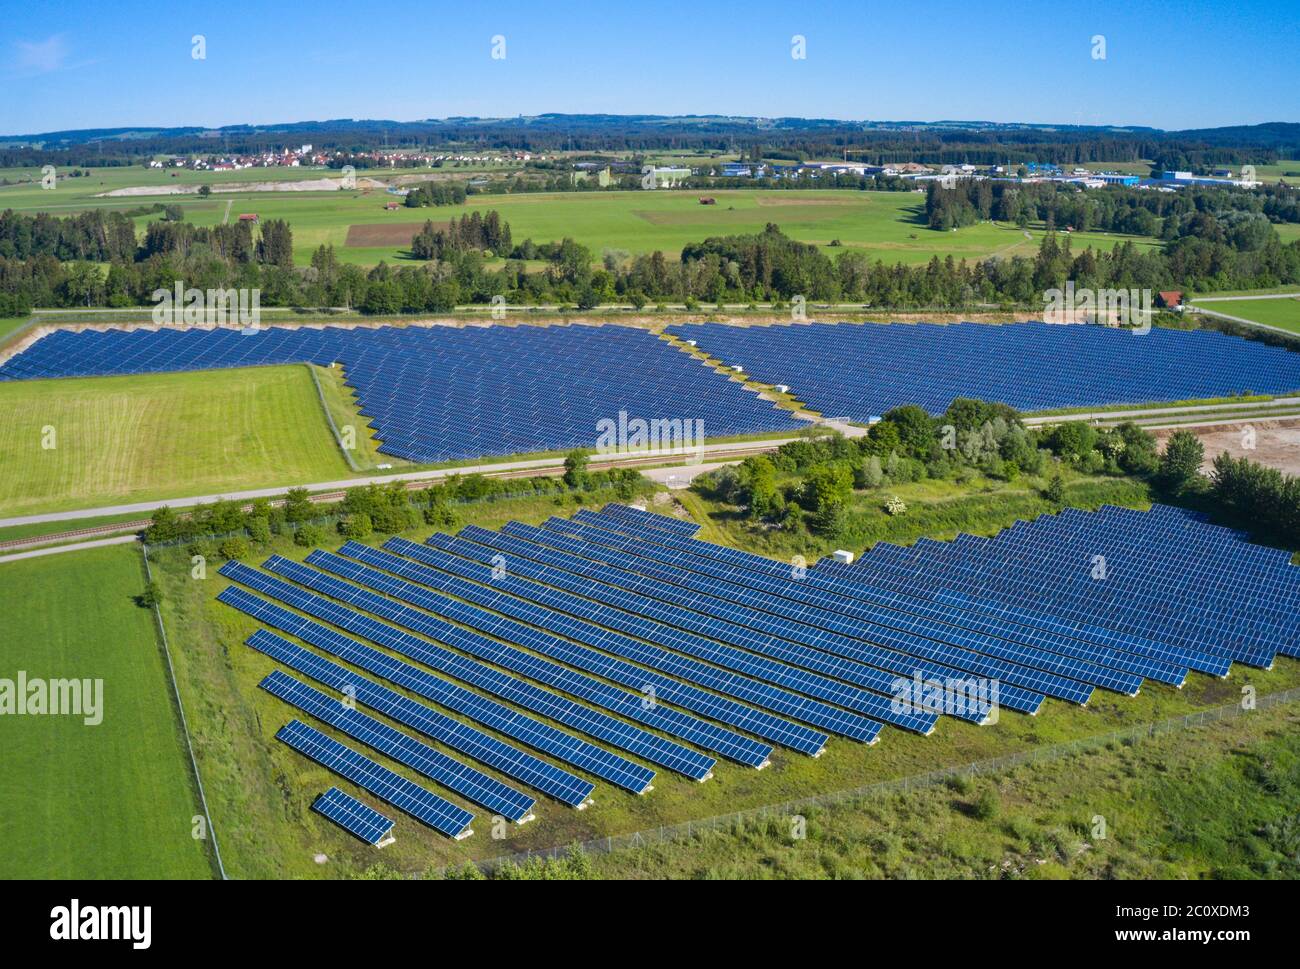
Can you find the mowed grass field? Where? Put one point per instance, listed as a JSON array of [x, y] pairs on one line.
[[887, 225], [1283, 312], [114, 800], [153, 436]]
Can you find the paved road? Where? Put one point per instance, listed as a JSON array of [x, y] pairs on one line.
[[75, 547], [1107, 415], [1242, 319], [1234, 299], [681, 476]]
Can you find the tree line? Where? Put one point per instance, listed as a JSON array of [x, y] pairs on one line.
[[768, 266]]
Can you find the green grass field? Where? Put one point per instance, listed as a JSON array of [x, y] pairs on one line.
[[887, 225], [1161, 800], [1283, 312], [259, 791], [147, 437], [11, 325], [113, 800]]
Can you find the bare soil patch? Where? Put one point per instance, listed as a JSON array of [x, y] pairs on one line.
[[1277, 442], [385, 234]]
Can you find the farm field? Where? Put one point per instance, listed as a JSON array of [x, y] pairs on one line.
[[115, 800], [259, 790], [147, 437], [1286, 169], [1288, 231], [887, 225], [1282, 312]]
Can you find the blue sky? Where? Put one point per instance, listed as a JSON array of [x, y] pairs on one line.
[[81, 64]]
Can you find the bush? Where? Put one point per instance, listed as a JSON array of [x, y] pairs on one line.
[[259, 530], [309, 536], [356, 526], [441, 515], [233, 548], [987, 805], [151, 596], [869, 473], [1072, 440], [1055, 490]]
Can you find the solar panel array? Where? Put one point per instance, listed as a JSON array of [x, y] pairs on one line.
[[620, 622], [437, 812], [353, 816], [1161, 584], [474, 785], [445, 393], [860, 371]]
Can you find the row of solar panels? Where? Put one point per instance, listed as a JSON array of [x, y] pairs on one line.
[[443, 393], [619, 631], [862, 370]]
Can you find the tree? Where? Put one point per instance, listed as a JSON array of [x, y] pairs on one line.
[[576, 475], [298, 505], [1055, 490], [915, 429], [1139, 454], [870, 473], [826, 485], [164, 528], [1181, 462], [276, 246], [758, 484], [1073, 439]]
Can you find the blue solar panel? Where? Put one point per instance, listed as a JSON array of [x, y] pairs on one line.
[[603, 629], [353, 816], [438, 813], [675, 629], [631, 705], [649, 522], [870, 604], [1082, 664], [876, 663], [558, 708], [535, 733], [471, 784], [510, 761], [860, 371], [1155, 599]]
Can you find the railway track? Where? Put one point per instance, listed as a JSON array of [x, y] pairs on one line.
[[120, 528]]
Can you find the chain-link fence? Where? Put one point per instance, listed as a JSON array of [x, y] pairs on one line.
[[738, 819]]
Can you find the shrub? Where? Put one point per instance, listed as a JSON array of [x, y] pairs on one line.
[[356, 526], [259, 530], [151, 596], [987, 805], [309, 536], [1055, 490], [234, 548]]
